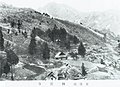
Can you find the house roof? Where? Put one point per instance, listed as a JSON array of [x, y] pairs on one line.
[[61, 54]]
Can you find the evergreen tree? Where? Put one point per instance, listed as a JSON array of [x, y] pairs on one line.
[[81, 50], [46, 51], [19, 25], [75, 40], [67, 44], [39, 50], [83, 70], [1, 40], [49, 34], [6, 69], [5, 20], [32, 46], [33, 33], [62, 34], [12, 23], [12, 58], [55, 33]]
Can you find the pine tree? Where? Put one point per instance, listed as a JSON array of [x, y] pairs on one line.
[[83, 70], [67, 44], [32, 46], [46, 51], [62, 34], [6, 69], [12, 23], [81, 50], [75, 40], [5, 20], [19, 25], [33, 33], [1, 40], [12, 58], [49, 34], [55, 33], [39, 50]]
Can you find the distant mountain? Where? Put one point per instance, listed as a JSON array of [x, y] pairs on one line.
[[62, 11], [109, 20]]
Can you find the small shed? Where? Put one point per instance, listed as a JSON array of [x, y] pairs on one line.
[[61, 55]]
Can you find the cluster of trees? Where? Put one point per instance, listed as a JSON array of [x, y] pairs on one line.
[[32, 45], [61, 36], [73, 38], [45, 14], [1, 40], [13, 23], [56, 33], [33, 48], [18, 23], [46, 51], [12, 59]]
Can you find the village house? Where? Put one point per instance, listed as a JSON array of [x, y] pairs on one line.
[[50, 76], [61, 55]]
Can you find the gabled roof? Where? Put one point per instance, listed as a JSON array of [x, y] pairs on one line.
[[61, 54]]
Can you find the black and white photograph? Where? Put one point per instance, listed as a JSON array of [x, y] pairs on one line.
[[59, 40]]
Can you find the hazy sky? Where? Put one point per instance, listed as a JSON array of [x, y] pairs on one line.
[[82, 5]]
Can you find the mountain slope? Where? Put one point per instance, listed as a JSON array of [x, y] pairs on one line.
[[109, 20], [84, 33], [32, 18]]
